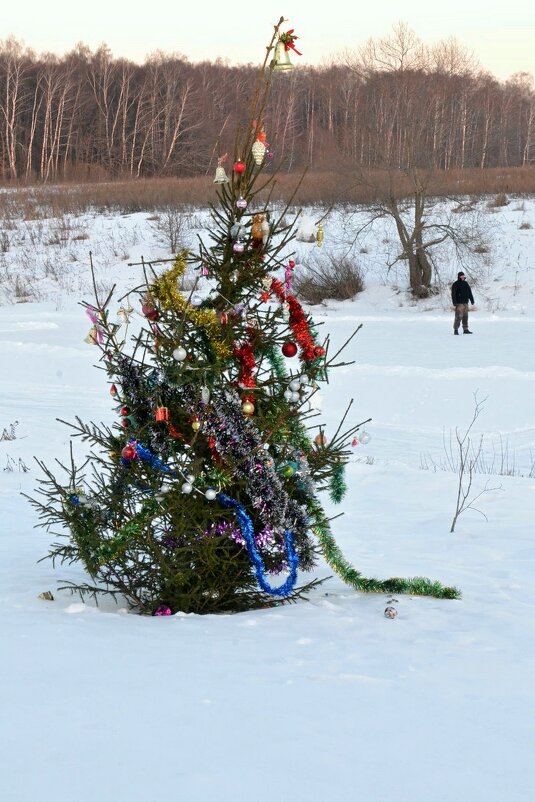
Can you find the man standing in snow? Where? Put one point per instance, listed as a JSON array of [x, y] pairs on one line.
[[460, 295]]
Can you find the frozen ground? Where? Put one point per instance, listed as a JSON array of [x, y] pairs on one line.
[[325, 700]]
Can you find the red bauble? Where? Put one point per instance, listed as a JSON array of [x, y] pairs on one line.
[[289, 348], [239, 167], [124, 411], [113, 390], [319, 351], [129, 452]]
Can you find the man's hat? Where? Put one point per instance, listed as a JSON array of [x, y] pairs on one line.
[[460, 274]]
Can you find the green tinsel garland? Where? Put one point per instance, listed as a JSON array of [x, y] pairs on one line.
[[276, 362], [337, 484], [419, 585]]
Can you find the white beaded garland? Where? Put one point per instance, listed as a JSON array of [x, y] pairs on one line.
[[186, 487], [210, 494], [295, 384]]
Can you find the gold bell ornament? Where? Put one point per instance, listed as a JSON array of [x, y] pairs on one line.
[[319, 235], [220, 175]]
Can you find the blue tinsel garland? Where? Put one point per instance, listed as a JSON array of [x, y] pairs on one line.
[[247, 530], [246, 526]]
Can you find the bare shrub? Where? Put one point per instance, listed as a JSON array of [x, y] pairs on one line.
[[172, 225], [500, 199], [481, 248], [328, 277], [525, 225], [468, 455]]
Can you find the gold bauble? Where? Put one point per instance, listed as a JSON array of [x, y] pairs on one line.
[[247, 408], [196, 425]]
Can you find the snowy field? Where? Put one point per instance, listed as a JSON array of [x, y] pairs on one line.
[[325, 700]]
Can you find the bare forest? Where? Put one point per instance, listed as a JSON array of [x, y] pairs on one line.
[[393, 104]]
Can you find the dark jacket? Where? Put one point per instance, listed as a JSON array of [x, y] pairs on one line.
[[461, 292]]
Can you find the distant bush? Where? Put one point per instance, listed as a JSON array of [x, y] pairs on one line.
[[501, 199], [326, 277], [525, 225], [481, 248]]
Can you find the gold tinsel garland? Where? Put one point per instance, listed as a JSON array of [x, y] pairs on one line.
[[166, 290]]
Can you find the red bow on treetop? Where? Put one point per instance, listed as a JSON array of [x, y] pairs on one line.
[[288, 40]]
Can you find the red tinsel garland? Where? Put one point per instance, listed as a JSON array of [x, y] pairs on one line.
[[298, 322], [245, 356]]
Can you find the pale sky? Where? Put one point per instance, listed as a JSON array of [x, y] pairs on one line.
[[500, 36]]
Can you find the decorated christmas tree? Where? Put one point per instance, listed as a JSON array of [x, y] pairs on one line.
[[203, 496]]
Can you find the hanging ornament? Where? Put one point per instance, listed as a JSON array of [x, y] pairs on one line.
[[239, 167], [113, 389], [162, 414], [365, 438], [281, 59], [320, 440], [174, 433], [220, 175], [205, 394], [195, 299], [238, 247], [288, 275], [96, 332], [148, 307], [187, 487], [163, 609], [241, 203], [354, 442], [248, 407], [288, 469], [319, 351], [210, 494], [124, 313], [289, 348], [257, 235], [92, 336], [266, 229], [319, 235], [180, 354], [124, 411], [196, 424], [258, 151], [129, 453]]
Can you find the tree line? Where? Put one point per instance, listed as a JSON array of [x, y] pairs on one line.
[[393, 103]]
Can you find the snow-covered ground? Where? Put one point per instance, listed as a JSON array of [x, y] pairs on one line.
[[325, 699]]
